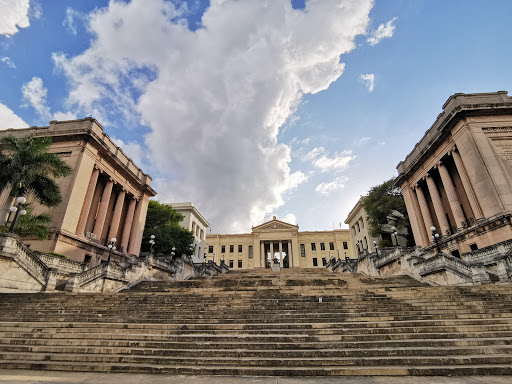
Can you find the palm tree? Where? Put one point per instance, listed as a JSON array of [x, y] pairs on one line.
[[27, 167]]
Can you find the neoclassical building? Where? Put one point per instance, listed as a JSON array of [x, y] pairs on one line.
[[197, 224], [276, 239], [105, 197], [458, 178]]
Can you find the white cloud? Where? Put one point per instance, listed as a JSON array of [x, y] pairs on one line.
[[8, 119], [325, 189], [336, 163], [315, 152], [288, 218], [8, 61], [34, 93], [13, 15], [132, 150], [36, 10], [215, 98], [64, 116], [69, 19], [369, 81], [383, 31]]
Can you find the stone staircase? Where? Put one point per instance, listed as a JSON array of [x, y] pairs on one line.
[[292, 323]]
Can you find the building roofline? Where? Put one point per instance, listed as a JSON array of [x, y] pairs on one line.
[[457, 107], [352, 212], [189, 205]]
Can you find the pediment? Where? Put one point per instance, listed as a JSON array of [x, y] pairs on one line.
[[275, 225]]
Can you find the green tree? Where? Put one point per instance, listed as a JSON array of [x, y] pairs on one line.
[[30, 224], [26, 167], [162, 221], [385, 201]]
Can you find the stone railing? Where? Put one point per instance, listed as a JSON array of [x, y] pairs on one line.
[[30, 262], [91, 274], [61, 264], [389, 255], [443, 262], [488, 254]]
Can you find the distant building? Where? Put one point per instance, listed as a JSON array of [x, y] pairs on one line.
[[280, 241], [458, 178], [361, 239], [197, 224], [105, 197]]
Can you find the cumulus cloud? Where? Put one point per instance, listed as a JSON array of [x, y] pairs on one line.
[[325, 189], [369, 81], [8, 119], [214, 98], [383, 31], [8, 61], [34, 94], [64, 116], [288, 218], [335, 163], [14, 15]]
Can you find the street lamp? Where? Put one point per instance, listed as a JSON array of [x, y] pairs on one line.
[[395, 233], [173, 253], [111, 248], [20, 200], [358, 250], [152, 242], [376, 247], [435, 237]]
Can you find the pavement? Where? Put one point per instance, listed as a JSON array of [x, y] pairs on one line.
[[30, 377]]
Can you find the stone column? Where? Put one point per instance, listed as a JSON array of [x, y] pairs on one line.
[[290, 254], [116, 218], [133, 233], [80, 228], [262, 254], [102, 212], [281, 254], [468, 188], [438, 206], [425, 212], [271, 254], [128, 225], [453, 199]]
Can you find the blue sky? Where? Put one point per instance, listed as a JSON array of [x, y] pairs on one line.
[[243, 107]]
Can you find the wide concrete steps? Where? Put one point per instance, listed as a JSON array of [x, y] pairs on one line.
[[306, 322]]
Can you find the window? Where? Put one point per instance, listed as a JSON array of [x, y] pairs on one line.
[[315, 262], [324, 261], [331, 246], [210, 249], [231, 248], [223, 249], [239, 249], [345, 245], [302, 250], [87, 259], [202, 234], [239, 263], [313, 246], [358, 228], [230, 263], [456, 253], [250, 251], [362, 223], [473, 247], [322, 246]]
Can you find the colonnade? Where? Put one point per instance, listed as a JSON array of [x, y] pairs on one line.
[[96, 217], [279, 244], [427, 217]]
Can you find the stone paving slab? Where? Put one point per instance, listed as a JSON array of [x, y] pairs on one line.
[[48, 377]]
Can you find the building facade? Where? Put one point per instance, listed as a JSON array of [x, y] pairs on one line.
[[458, 178], [280, 242], [105, 197], [197, 224], [360, 237]]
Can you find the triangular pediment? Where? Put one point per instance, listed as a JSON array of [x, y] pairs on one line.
[[275, 225]]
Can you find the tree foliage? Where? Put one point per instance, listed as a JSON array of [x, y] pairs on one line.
[[384, 201], [27, 167], [163, 221], [30, 224]]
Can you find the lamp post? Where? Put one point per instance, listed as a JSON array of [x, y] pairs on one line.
[[20, 200], [395, 233], [376, 247], [111, 248], [173, 253], [358, 250], [435, 237], [151, 242]]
